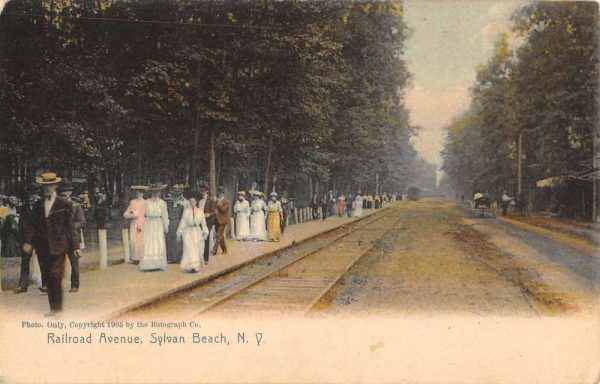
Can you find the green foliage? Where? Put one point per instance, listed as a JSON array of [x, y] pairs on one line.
[[137, 100], [548, 93]]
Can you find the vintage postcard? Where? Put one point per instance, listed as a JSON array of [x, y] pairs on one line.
[[202, 191]]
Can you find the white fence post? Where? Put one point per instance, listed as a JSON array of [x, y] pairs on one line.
[[36, 274], [103, 247], [126, 249]]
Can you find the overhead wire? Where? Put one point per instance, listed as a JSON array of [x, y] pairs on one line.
[[121, 20]]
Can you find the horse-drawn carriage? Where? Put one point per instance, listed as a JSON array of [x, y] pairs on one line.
[[482, 205]]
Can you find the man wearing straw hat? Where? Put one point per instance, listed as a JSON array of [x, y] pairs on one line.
[[52, 233]]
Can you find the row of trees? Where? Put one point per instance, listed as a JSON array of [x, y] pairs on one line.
[[540, 101], [294, 95]]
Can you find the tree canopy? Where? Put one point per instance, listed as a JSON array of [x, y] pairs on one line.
[[546, 92], [284, 93]]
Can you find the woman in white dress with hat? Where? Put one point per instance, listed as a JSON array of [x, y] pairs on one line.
[[135, 213], [241, 209], [257, 219], [155, 229], [357, 206], [193, 231]]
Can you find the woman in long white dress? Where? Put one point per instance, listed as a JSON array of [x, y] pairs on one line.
[[242, 217], [155, 229], [258, 231], [136, 213], [358, 206], [193, 230]]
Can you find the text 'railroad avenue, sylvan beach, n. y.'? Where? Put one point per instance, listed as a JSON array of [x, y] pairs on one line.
[[157, 338]]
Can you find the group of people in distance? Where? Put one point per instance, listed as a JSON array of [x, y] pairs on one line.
[[353, 207], [177, 229]]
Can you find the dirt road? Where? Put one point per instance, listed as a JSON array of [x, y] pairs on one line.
[[441, 261]]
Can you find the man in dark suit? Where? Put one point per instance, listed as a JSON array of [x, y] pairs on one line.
[[26, 215], [209, 206], [66, 190], [102, 209], [221, 221], [52, 233]]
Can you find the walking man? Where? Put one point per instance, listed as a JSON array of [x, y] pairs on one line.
[[209, 206], [26, 215], [506, 200], [51, 232], [66, 190], [221, 220]]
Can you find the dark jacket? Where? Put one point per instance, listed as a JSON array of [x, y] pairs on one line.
[[78, 218], [223, 211], [101, 213], [55, 235], [210, 210]]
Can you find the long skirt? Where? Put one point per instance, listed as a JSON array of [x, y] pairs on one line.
[[274, 226], [136, 240], [242, 226], [358, 210], [155, 249], [193, 249], [174, 244], [341, 207], [257, 226]]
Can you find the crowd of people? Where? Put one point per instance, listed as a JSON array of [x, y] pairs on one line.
[[185, 226]]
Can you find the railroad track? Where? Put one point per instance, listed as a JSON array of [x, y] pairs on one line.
[[292, 281]]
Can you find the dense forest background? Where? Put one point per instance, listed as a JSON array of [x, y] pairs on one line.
[[296, 96], [541, 102]]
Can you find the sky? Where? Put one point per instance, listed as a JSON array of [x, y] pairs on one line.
[[449, 39]]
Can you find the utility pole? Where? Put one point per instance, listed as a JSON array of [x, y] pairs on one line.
[[519, 165], [377, 183], [595, 180]]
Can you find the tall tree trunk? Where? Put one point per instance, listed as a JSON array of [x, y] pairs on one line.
[[193, 173], [268, 167], [212, 161], [140, 177]]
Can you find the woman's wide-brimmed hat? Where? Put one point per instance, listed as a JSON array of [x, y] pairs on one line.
[[256, 193], [139, 187], [242, 193], [179, 187], [48, 178], [274, 194], [157, 187], [203, 187]]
